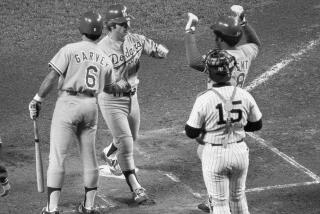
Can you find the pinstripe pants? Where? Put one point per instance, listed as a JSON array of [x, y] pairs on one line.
[[225, 172]]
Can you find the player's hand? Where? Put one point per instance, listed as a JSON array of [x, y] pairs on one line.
[[34, 109], [162, 51], [239, 14], [6, 188], [192, 23], [124, 84]]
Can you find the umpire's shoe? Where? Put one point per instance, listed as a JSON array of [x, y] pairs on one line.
[[82, 209], [44, 211], [113, 164]]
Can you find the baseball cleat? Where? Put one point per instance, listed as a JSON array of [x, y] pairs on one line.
[[204, 207], [139, 195], [113, 164], [82, 209], [44, 211]]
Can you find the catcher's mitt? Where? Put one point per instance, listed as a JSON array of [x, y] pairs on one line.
[[219, 64]]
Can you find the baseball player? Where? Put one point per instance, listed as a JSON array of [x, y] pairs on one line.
[[228, 31], [83, 69], [222, 114], [4, 181], [121, 110]]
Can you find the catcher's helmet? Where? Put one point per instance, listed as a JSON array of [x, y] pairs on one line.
[[91, 24], [228, 29], [117, 14], [219, 64]]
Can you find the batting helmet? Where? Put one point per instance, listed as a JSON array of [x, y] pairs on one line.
[[228, 29], [117, 14], [91, 24], [219, 64]]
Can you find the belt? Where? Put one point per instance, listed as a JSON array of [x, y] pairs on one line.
[[78, 93], [123, 94], [220, 144]]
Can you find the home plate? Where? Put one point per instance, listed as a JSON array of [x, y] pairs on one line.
[[104, 170]]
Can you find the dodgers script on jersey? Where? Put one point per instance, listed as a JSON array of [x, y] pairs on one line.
[[126, 55], [80, 66], [209, 111], [244, 55]]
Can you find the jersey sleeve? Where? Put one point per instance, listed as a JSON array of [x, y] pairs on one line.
[[60, 61], [250, 50], [254, 111], [196, 118], [149, 47], [194, 58]]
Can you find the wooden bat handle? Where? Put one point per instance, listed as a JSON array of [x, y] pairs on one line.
[[39, 165]]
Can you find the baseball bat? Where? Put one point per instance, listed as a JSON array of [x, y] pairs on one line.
[[39, 164]]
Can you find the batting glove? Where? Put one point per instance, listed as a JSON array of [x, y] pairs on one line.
[[162, 51], [239, 14], [192, 23], [35, 106], [5, 186]]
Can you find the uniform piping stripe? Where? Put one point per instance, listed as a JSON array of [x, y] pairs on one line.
[[55, 68]]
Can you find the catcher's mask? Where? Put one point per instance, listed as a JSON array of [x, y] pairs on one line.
[[219, 64]]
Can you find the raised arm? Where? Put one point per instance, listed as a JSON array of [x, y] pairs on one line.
[[194, 58], [249, 33]]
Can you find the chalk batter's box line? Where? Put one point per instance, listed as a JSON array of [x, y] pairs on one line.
[[284, 186], [294, 163]]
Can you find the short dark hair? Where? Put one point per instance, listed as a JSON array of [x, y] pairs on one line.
[[110, 26], [230, 40], [92, 37]]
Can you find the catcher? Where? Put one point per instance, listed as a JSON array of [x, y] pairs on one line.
[[228, 32], [221, 115]]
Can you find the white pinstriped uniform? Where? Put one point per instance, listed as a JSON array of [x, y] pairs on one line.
[[244, 55], [225, 167]]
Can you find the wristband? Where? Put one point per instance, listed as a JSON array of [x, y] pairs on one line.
[[243, 23], [38, 98], [190, 31]]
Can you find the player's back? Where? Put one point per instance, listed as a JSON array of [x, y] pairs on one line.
[[214, 113], [81, 65], [244, 55]]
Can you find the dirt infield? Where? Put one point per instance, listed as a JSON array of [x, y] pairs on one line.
[[284, 156]]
